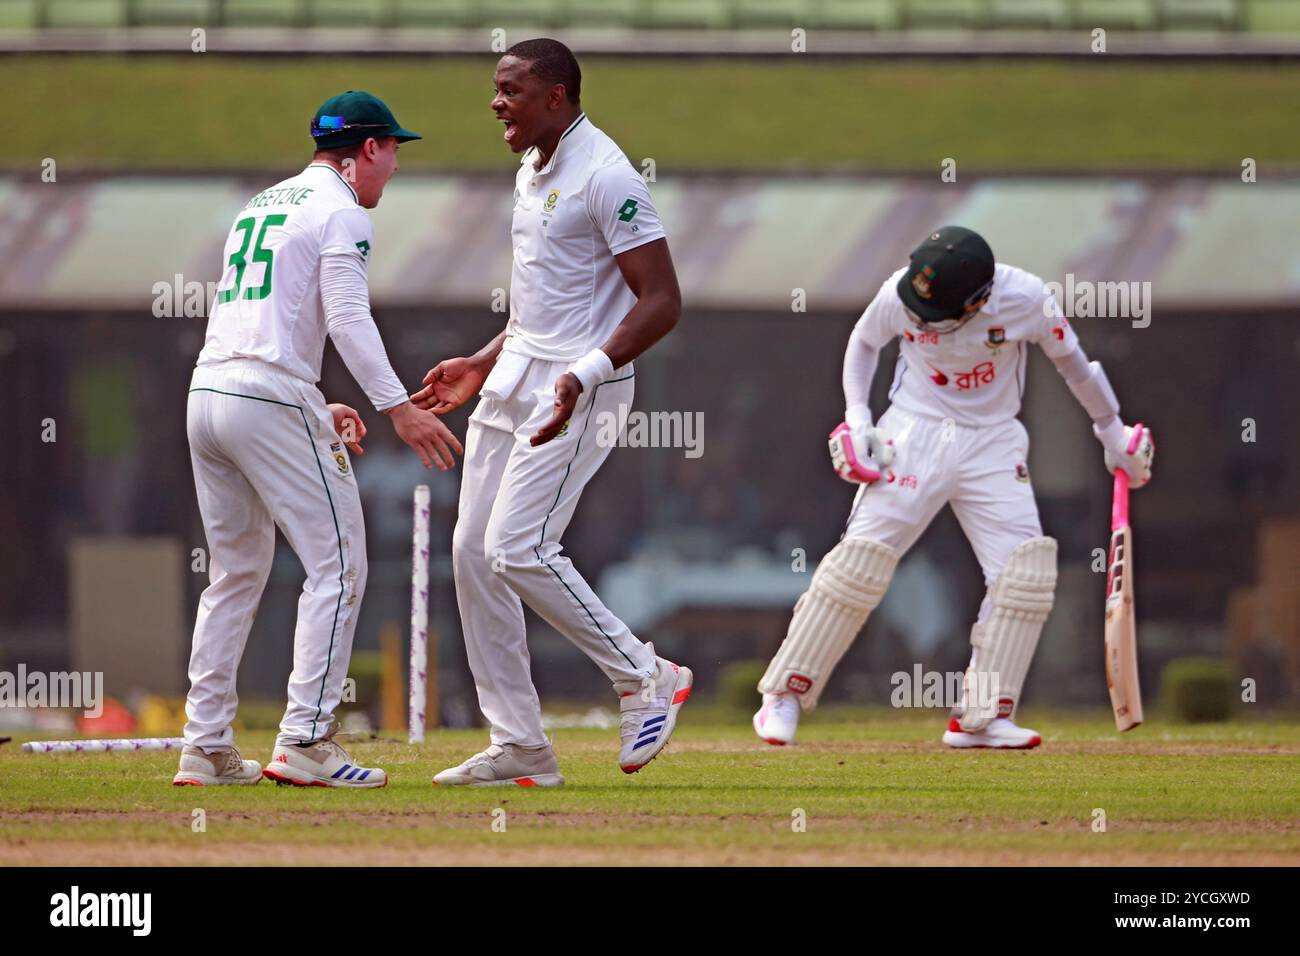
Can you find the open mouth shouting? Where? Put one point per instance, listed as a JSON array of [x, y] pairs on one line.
[[512, 136]]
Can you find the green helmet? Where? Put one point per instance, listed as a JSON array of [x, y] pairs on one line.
[[950, 270]]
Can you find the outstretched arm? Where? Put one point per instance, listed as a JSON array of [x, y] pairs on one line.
[[1130, 448], [486, 357], [453, 382], [860, 360], [352, 329], [859, 450]]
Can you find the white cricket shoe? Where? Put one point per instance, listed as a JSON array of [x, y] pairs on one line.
[[649, 712], [1001, 733], [504, 764], [199, 769], [320, 763], [778, 719]]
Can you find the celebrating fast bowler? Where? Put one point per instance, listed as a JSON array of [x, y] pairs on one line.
[[592, 287], [267, 450], [950, 436]]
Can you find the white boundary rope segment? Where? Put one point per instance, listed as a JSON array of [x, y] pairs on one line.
[[101, 746], [419, 663]]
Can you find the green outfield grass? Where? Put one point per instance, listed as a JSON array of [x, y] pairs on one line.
[[877, 788], [206, 111]]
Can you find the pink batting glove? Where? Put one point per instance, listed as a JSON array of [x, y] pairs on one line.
[[1135, 455], [858, 455]]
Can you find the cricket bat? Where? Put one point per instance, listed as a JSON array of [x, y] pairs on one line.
[[1121, 636]]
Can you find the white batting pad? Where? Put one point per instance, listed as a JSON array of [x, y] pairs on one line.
[[1004, 641], [846, 587]]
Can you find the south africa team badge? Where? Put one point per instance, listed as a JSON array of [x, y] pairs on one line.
[[340, 459]]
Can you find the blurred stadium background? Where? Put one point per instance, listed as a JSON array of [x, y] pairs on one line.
[[776, 173], [1251, 16]]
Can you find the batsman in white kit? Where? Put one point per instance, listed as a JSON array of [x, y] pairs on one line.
[[268, 451], [591, 288], [949, 436]]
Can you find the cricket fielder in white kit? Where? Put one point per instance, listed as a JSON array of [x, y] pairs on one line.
[[268, 451], [592, 287], [950, 436]]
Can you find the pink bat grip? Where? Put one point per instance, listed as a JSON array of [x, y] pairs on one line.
[[1119, 503]]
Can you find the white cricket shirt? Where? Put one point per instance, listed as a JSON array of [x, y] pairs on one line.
[[268, 304], [976, 374], [586, 205]]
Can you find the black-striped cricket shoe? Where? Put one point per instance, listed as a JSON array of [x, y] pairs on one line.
[[649, 712]]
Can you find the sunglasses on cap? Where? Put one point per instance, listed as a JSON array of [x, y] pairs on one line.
[[326, 125]]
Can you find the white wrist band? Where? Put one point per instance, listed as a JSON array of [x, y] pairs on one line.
[[857, 415], [592, 369], [1111, 435]]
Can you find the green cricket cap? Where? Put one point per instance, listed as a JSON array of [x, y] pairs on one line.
[[353, 117], [949, 270]]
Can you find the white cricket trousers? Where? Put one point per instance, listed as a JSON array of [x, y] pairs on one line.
[[265, 453], [515, 503], [981, 472]]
